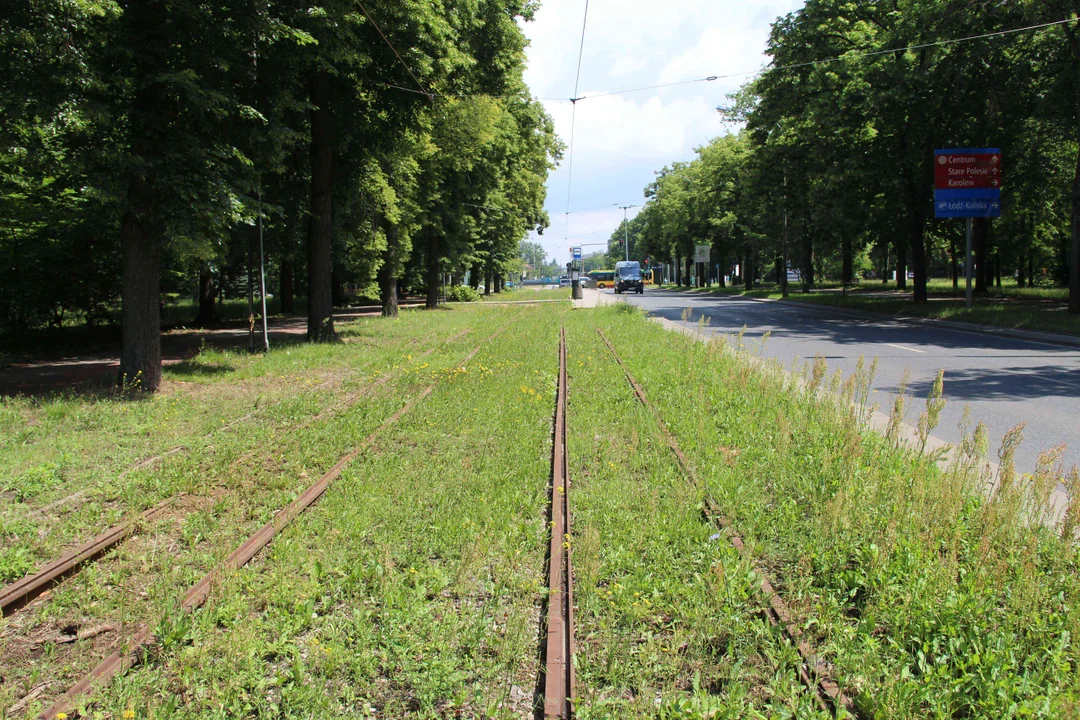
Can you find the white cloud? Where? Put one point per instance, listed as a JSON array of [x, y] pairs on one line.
[[621, 140], [627, 65]]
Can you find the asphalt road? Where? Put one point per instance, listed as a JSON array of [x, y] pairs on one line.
[[1003, 381]]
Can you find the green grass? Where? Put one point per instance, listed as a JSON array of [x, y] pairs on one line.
[[1040, 309], [414, 587], [926, 599], [668, 622], [519, 294]]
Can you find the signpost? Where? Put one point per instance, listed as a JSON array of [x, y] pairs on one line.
[[967, 184], [701, 262]]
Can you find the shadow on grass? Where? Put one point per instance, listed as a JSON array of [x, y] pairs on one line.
[[194, 368]]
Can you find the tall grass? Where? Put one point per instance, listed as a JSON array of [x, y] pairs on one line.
[[934, 592]]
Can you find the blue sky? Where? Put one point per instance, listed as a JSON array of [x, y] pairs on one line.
[[621, 140]]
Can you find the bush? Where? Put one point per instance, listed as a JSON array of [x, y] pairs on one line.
[[461, 293]]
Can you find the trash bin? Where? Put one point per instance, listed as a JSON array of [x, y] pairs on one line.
[[576, 291]]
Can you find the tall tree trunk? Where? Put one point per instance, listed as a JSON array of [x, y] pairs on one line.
[[475, 272], [748, 268], [140, 356], [207, 308], [720, 281], [807, 263], [498, 283], [978, 240], [388, 272], [689, 277], [288, 300], [847, 262], [1031, 264], [433, 269], [954, 266], [320, 302], [900, 266], [1074, 261], [337, 290]]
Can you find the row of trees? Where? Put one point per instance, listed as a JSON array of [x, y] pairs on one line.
[[834, 166], [144, 142]]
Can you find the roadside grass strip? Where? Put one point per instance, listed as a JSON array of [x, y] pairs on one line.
[[225, 502], [814, 673], [667, 612], [924, 596], [412, 588], [70, 467]]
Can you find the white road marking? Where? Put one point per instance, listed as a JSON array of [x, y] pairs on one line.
[[904, 347]]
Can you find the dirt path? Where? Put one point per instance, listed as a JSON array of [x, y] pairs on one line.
[[42, 378]]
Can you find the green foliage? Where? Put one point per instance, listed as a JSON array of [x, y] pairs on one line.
[[462, 293], [193, 119], [832, 172]]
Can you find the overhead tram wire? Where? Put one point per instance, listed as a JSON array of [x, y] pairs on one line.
[[854, 54], [573, 118], [423, 90]]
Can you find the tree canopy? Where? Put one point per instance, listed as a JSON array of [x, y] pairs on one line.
[[381, 143], [832, 169]]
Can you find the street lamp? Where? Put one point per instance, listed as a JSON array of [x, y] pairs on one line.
[[626, 229]]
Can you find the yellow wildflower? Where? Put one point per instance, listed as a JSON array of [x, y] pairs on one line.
[[129, 713]]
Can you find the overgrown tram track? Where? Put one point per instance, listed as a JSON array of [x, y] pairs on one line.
[[812, 671], [559, 653], [136, 648], [20, 593]]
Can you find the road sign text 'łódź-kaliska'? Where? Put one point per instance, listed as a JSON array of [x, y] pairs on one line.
[[967, 183]]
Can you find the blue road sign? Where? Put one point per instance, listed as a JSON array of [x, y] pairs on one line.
[[967, 183], [967, 203], [577, 253]]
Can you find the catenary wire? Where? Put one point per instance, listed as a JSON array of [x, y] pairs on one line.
[[853, 54], [573, 118], [419, 84]]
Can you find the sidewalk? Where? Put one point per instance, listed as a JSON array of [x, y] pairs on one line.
[[592, 298]]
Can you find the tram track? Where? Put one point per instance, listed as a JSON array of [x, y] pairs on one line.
[[812, 671], [20, 593], [129, 652], [559, 677]]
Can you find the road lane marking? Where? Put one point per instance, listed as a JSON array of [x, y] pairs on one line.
[[904, 347]]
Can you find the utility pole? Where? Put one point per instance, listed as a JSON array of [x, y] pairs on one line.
[[626, 229], [262, 270]]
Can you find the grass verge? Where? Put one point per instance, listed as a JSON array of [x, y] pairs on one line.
[[928, 599], [1016, 308]]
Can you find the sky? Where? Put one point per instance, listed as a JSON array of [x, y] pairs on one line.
[[620, 141]]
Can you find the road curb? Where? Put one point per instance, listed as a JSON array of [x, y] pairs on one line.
[[1047, 338]]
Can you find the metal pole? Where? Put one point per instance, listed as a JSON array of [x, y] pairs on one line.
[[262, 270], [967, 264], [626, 233], [250, 298]]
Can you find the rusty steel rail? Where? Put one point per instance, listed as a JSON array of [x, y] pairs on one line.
[[136, 648], [559, 661], [18, 594], [812, 671], [21, 592]]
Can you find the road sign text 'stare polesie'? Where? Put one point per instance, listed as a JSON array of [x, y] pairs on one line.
[[967, 183]]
